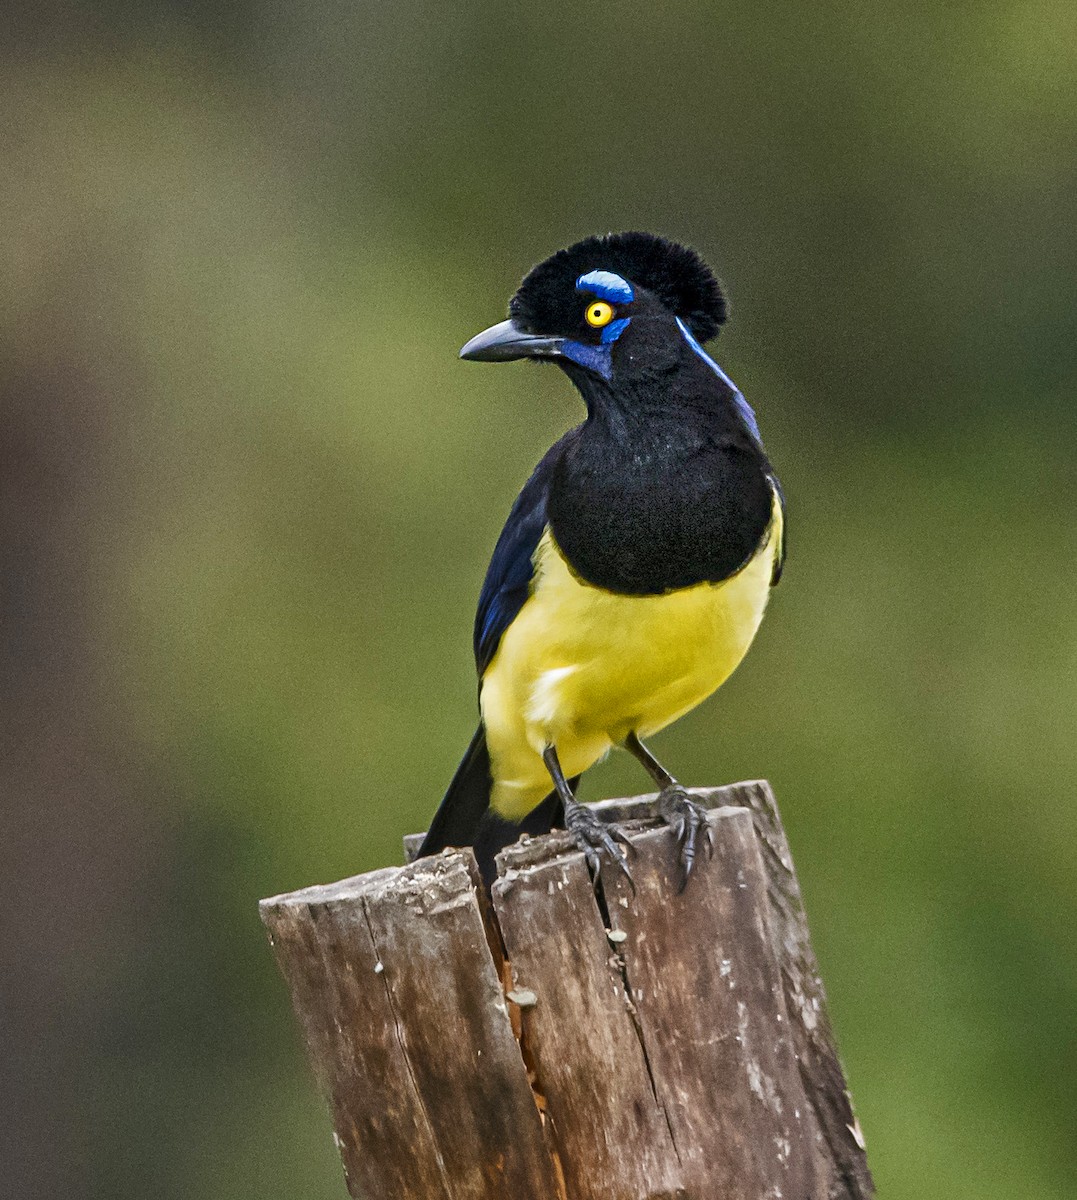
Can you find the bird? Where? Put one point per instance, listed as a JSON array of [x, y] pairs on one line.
[[635, 565]]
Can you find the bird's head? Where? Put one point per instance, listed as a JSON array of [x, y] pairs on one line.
[[608, 308]]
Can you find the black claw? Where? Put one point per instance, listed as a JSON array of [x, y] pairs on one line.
[[619, 835], [688, 849]]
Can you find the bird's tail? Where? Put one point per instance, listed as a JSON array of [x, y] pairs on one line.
[[457, 819], [464, 817]]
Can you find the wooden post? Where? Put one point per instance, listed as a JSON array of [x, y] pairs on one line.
[[577, 1041]]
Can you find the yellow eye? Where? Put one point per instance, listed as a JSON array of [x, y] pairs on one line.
[[598, 314]]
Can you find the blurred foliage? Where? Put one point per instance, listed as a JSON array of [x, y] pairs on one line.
[[249, 493]]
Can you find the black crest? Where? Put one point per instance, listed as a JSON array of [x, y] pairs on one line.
[[674, 273]]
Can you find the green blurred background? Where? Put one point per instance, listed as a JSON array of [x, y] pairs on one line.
[[248, 493]]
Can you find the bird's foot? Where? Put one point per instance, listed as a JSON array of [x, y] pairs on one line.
[[687, 818], [596, 838]]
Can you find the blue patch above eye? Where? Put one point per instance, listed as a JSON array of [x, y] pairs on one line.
[[606, 286], [743, 407]]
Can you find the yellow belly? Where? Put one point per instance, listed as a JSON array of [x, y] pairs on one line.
[[581, 668]]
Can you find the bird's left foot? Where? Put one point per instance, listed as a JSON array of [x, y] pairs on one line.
[[687, 818]]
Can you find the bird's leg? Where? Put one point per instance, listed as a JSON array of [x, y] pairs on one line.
[[590, 834], [685, 815]]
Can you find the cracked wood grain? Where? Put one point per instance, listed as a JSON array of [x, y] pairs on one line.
[[582, 1036]]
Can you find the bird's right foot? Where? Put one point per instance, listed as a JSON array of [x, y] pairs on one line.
[[596, 838]]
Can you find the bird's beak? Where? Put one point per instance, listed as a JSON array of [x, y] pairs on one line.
[[506, 341]]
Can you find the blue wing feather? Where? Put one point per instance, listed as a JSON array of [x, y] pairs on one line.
[[508, 577]]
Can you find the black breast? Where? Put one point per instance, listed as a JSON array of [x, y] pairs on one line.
[[648, 510]]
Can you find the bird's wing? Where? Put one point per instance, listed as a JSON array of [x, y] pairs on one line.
[[779, 558], [508, 577]]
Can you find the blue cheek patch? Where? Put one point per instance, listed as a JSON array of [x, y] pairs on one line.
[[594, 358], [744, 408], [606, 286]]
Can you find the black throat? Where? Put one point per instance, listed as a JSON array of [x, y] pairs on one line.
[[664, 485]]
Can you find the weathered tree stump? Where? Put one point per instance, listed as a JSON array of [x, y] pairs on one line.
[[576, 1041]]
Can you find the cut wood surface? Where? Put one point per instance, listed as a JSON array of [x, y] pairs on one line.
[[401, 1003], [651, 1044]]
